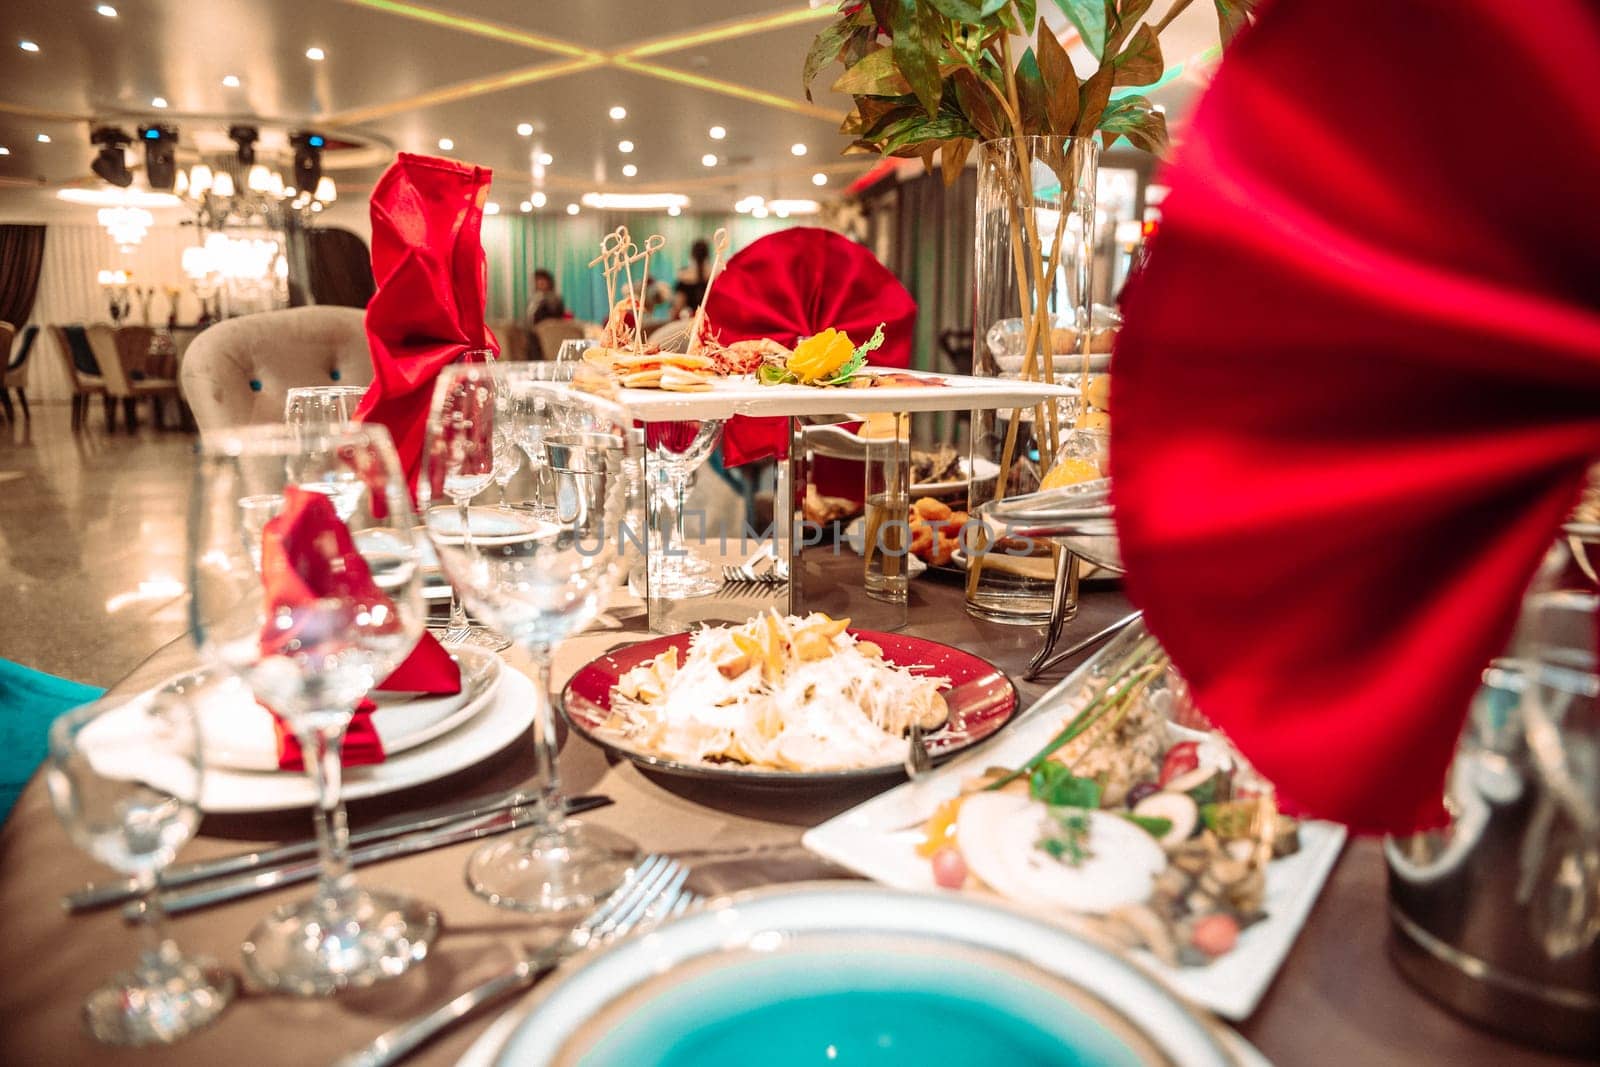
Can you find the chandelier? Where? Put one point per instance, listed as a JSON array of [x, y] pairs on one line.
[[126, 225], [231, 193]]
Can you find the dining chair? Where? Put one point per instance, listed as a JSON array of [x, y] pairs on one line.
[[122, 363], [14, 374], [83, 371], [238, 372], [548, 335]]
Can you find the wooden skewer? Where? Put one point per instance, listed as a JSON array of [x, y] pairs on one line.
[[719, 245], [654, 243], [609, 244]]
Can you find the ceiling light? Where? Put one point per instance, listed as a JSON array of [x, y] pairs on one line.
[[545, 159], [491, 208], [446, 144], [181, 185], [316, 54], [709, 159], [619, 113], [573, 209], [158, 101], [275, 185], [632, 201], [624, 147], [674, 211], [629, 170], [107, 10], [797, 150], [525, 207], [222, 184], [784, 208], [43, 138], [27, 46], [759, 211], [199, 179], [307, 158], [525, 129], [117, 198], [244, 139], [538, 199], [4, 151], [111, 162], [717, 133], [819, 178], [326, 191], [781, 213], [160, 155], [231, 81], [259, 178]]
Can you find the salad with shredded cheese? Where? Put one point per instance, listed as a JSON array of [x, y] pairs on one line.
[[779, 692]]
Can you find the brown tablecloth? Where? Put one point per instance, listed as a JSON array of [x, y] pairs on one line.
[[1336, 999]]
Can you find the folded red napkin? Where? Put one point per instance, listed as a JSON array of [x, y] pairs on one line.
[[307, 553], [1359, 382], [795, 283], [427, 260]]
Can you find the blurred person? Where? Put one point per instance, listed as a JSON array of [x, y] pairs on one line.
[[691, 287], [546, 302]]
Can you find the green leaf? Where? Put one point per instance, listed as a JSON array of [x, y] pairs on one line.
[[1056, 785], [824, 50], [1154, 825], [976, 104], [1149, 133], [1028, 10], [953, 158], [1131, 11], [1092, 99], [916, 38], [1233, 16], [1134, 117], [1060, 82], [960, 10], [1031, 95], [1089, 18], [875, 75], [906, 138], [768, 374], [1140, 63]]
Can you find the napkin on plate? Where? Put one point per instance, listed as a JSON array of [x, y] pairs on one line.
[[307, 553], [428, 262], [1359, 381], [795, 283]]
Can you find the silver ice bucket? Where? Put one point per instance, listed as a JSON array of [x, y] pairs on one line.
[[1498, 916]]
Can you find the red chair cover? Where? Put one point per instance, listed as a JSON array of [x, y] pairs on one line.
[[427, 260], [307, 553], [795, 283], [1360, 380]]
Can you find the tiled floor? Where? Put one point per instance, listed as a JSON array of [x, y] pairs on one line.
[[91, 543]]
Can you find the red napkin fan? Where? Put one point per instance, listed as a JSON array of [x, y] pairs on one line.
[[1359, 382], [795, 283], [427, 259], [307, 553]]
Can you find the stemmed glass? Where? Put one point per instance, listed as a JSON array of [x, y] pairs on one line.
[[529, 433], [124, 776], [507, 462], [334, 608], [315, 405], [473, 475], [675, 449], [540, 585]]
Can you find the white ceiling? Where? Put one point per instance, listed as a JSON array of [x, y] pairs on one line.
[[405, 74]]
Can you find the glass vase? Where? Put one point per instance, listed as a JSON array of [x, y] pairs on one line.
[[1033, 271]]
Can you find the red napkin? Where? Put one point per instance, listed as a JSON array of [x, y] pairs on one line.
[[1359, 382], [428, 262], [307, 553], [792, 284]]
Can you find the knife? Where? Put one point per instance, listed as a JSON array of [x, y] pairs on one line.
[[454, 833], [103, 894]]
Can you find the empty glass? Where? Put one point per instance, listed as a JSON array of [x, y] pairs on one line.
[[333, 606], [124, 776], [319, 405], [674, 450], [539, 583]]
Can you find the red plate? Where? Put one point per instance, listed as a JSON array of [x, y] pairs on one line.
[[980, 697]]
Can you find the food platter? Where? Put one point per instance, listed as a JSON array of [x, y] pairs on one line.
[[980, 697]]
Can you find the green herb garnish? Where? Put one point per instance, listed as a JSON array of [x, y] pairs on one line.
[[1056, 785], [1154, 825], [1067, 841]]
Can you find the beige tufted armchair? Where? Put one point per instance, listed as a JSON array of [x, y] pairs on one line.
[[237, 372]]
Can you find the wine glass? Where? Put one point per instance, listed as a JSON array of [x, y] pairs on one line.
[[528, 433], [540, 585], [124, 776], [318, 405], [570, 355], [507, 462], [335, 607], [674, 450]]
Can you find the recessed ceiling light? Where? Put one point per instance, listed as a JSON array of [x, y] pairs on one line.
[[717, 133], [629, 170], [782, 213], [624, 147], [446, 144], [491, 208], [797, 150], [759, 211], [709, 159], [525, 129], [27, 46], [634, 201], [538, 199], [158, 101], [107, 10], [546, 159], [43, 138], [525, 207], [819, 178], [619, 113], [316, 54], [231, 80], [674, 211], [573, 209], [4, 151]]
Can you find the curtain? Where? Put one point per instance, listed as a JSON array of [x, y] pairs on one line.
[[21, 254], [340, 268]]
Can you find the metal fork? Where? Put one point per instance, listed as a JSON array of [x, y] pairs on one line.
[[656, 883]]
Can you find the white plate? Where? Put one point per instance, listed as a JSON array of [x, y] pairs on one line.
[[239, 733], [774, 935], [987, 468], [506, 718], [855, 537], [867, 839]]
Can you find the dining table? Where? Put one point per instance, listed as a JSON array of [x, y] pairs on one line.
[[1337, 998]]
